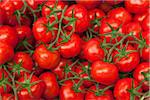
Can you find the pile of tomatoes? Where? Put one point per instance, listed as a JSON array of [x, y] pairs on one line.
[[74, 50]]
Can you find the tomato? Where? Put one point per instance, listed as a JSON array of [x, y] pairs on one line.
[[2, 16], [95, 16], [33, 3], [80, 19], [105, 28], [137, 74], [120, 14], [133, 27], [59, 6], [138, 6], [52, 87], [125, 59], [6, 53], [81, 70], [71, 47], [146, 23], [67, 93], [140, 17], [104, 73], [122, 87], [8, 35], [7, 96], [28, 82], [89, 4], [4, 79], [92, 50], [45, 58], [105, 95]]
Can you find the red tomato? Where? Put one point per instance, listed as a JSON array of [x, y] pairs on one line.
[[125, 60], [137, 74], [120, 14], [140, 17], [104, 73], [6, 53], [136, 6], [89, 4], [43, 30], [122, 86], [146, 23], [8, 35], [45, 58], [105, 28], [67, 93], [71, 48], [4, 78], [59, 6], [92, 50], [2, 17], [52, 87], [80, 19], [95, 16], [7, 96], [106, 95], [36, 89]]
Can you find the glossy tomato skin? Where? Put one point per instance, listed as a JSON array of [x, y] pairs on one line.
[[36, 89], [81, 15], [7, 96], [45, 58], [94, 16], [8, 35], [107, 95], [4, 78], [52, 87], [128, 62], [122, 86], [41, 32], [146, 23], [138, 6], [140, 17], [104, 73], [89, 4], [67, 93], [120, 14], [71, 48], [137, 74], [92, 50], [46, 11], [6, 53]]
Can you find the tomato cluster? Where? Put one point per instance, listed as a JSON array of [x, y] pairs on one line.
[[74, 50]]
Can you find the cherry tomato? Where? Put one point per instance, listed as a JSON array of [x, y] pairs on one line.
[[8, 35], [92, 50], [67, 93], [76, 15], [122, 87], [104, 73], [138, 6], [52, 87], [137, 74], [45, 58], [140, 17], [7, 96], [146, 23]]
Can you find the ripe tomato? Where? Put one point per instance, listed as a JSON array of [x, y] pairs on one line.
[[95, 16], [104, 73], [140, 17], [28, 82], [146, 23], [92, 50], [43, 29], [138, 6], [80, 19], [7, 96], [122, 87], [105, 95], [120, 14], [52, 87], [137, 74], [71, 48], [125, 59], [8, 35], [6, 53], [4, 79], [2, 17], [45, 58], [67, 92]]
